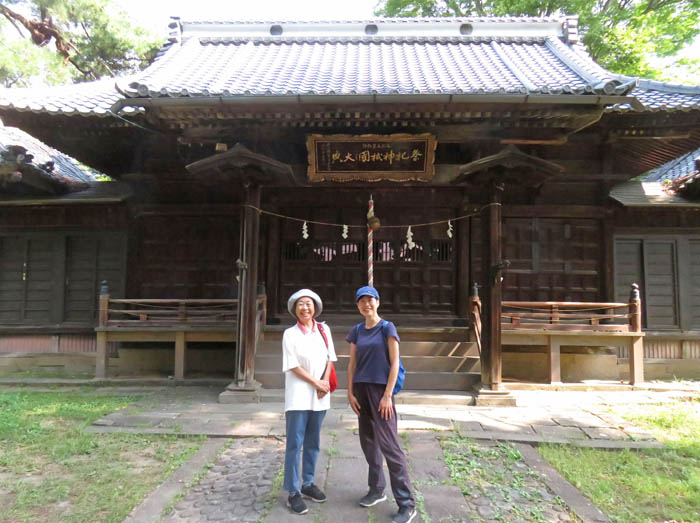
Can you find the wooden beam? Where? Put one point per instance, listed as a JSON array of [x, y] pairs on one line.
[[491, 362], [251, 244], [101, 357], [554, 359], [272, 276], [180, 349], [637, 361], [463, 243]]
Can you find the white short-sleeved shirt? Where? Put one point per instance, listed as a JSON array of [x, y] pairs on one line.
[[306, 350]]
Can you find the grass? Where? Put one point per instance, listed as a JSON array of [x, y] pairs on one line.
[[642, 485], [497, 472], [52, 470]]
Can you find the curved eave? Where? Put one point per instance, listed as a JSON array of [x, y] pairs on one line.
[[101, 113], [316, 99]]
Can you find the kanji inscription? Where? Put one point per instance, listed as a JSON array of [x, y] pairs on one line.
[[371, 157]]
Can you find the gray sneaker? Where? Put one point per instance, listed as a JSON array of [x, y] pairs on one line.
[[372, 498], [313, 493], [404, 515], [296, 504]]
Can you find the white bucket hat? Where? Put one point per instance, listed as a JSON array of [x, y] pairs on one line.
[[305, 293]]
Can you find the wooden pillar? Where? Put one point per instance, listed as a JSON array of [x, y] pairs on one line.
[[102, 357], [249, 283], [637, 343], [180, 346], [462, 287], [554, 359], [491, 269], [272, 276]]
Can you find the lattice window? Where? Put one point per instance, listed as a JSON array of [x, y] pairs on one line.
[[441, 250], [383, 251], [293, 251], [412, 255]]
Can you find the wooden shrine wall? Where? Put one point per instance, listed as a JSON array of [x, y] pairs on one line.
[[184, 256]]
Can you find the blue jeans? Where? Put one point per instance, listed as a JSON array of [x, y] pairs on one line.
[[303, 430]]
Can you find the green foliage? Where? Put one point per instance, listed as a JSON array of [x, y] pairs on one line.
[[624, 36], [51, 469], [51, 41], [643, 485]]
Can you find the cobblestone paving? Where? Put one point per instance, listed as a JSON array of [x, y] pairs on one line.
[[237, 487], [498, 485]]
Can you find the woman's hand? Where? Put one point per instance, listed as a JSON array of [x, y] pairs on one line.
[[386, 409], [323, 386], [354, 404]]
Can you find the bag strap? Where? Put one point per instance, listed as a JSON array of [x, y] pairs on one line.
[[386, 337], [323, 335], [325, 340]]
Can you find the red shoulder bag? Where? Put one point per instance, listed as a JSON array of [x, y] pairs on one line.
[[332, 378]]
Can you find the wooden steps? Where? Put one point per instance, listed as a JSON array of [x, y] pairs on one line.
[[436, 358]]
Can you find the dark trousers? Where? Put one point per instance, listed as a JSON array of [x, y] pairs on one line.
[[380, 437]]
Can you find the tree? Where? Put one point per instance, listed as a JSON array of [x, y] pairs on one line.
[[60, 40], [624, 36]]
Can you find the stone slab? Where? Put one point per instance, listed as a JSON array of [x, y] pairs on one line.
[[444, 504], [578, 419], [605, 433], [576, 501], [560, 432]]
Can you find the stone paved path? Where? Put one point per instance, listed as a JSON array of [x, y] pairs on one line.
[[506, 478], [243, 484], [237, 487]]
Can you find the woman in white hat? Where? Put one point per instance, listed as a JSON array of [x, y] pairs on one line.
[[308, 351]]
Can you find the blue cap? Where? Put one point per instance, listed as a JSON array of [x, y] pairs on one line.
[[366, 291]]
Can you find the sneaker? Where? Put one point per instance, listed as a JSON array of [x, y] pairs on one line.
[[296, 504], [313, 493], [404, 515], [372, 498]]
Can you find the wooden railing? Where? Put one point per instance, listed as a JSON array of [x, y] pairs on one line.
[[555, 324], [170, 320], [161, 312], [571, 316]]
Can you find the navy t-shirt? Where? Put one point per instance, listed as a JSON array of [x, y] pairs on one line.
[[372, 354]]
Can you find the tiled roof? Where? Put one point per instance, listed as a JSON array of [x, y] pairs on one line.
[[84, 99], [675, 169], [43, 159], [405, 57], [659, 96], [461, 57], [648, 194], [99, 192]]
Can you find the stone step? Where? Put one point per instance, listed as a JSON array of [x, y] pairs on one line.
[[406, 348], [273, 363], [453, 381], [405, 397]]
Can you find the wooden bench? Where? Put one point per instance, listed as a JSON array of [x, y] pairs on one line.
[[594, 324], [164, 320]]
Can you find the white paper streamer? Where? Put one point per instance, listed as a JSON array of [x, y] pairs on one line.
[[409, 238]]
